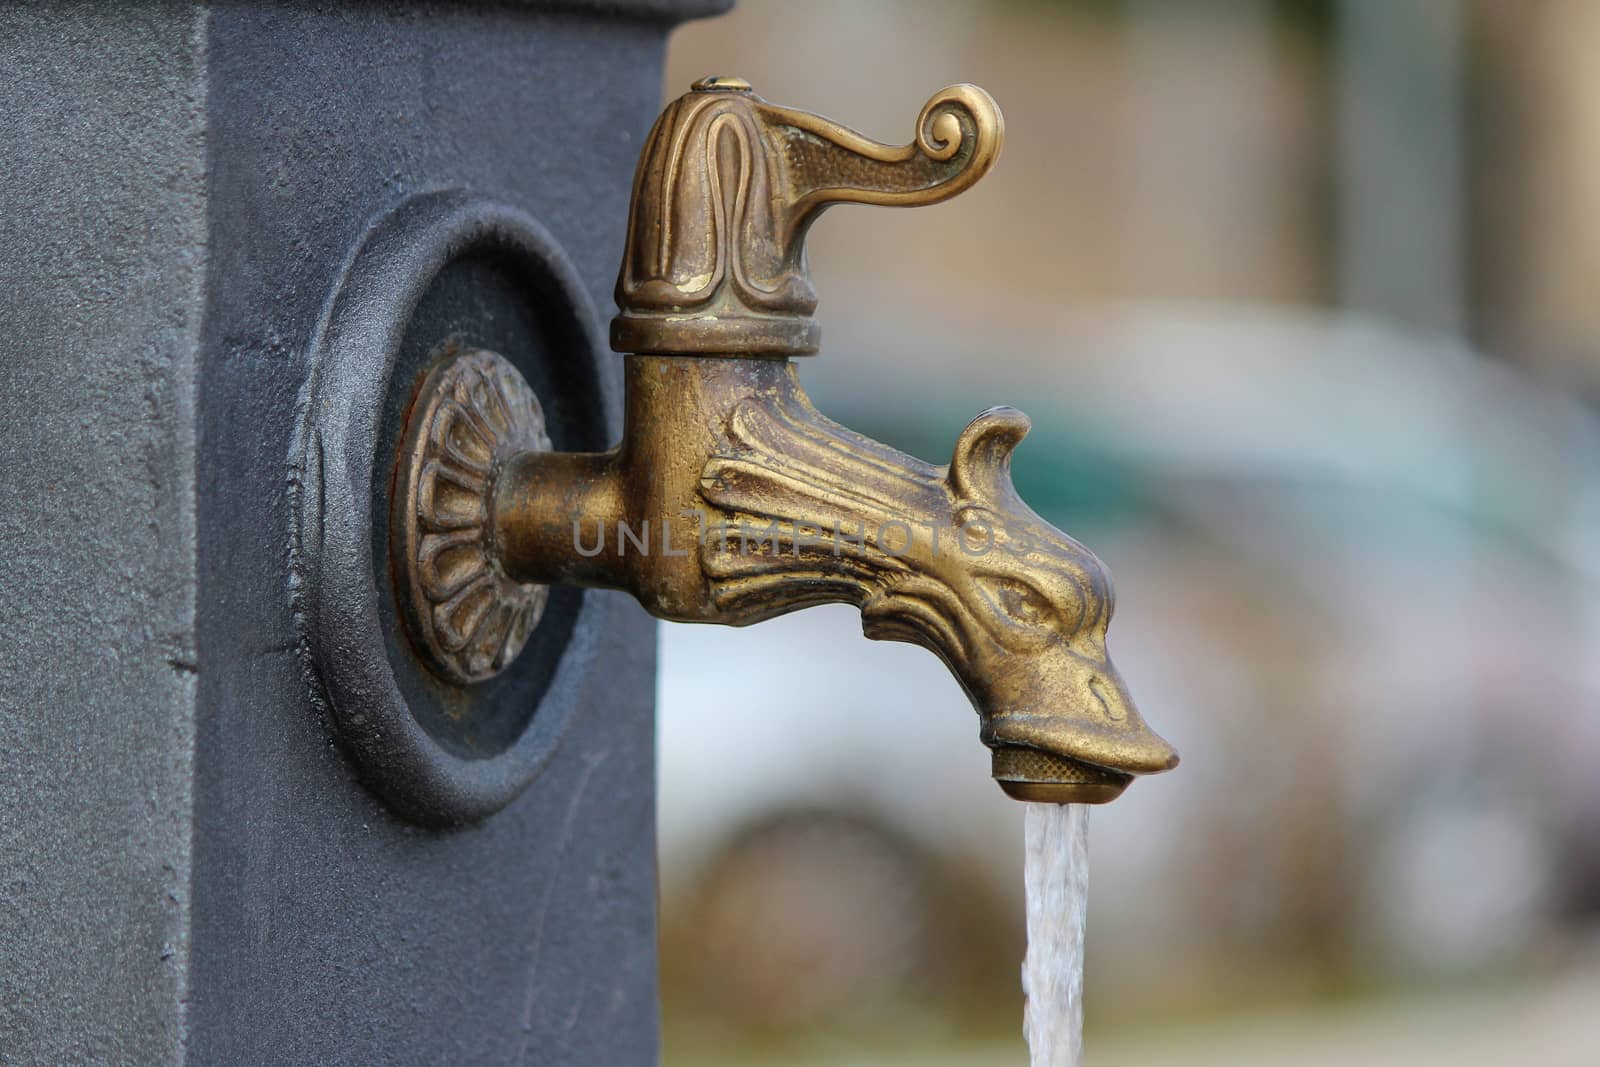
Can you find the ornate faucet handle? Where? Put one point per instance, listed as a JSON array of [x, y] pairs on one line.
[[726, 188]]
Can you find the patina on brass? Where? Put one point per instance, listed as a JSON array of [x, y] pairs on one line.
[[731, 499]]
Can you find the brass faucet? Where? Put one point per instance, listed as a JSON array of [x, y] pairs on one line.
[[730, 498]]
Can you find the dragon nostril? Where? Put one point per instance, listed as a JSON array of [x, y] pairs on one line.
[[1114, 709]]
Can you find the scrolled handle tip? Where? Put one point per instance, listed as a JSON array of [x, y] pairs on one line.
[[957, 116]]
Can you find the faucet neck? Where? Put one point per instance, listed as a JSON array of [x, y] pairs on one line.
[[729, 499]]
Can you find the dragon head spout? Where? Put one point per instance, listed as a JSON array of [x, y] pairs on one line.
[[1023, 611], [948, 558]]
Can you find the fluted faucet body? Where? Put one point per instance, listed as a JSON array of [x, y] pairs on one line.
[[730, 499]]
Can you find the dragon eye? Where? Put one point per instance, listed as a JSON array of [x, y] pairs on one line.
[[1021, 601]]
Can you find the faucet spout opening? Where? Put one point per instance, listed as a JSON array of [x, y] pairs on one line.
[[1039, 777]]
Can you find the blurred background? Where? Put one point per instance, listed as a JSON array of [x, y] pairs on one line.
[[1301, 298]]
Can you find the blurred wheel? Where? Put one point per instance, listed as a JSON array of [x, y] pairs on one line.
[[808, 917]]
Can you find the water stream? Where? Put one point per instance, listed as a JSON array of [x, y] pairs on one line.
[[1056, 880]]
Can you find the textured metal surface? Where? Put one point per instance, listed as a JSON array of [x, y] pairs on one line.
[[102, 257], [190, 867], [326, 930]]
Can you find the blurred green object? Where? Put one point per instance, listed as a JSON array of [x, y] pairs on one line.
[[1064, 475], [1314, 18]]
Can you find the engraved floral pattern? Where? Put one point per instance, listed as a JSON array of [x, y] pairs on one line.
[[474, 411]]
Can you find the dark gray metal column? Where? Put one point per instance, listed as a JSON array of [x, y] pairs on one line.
[[191, 867], [102, 268]]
